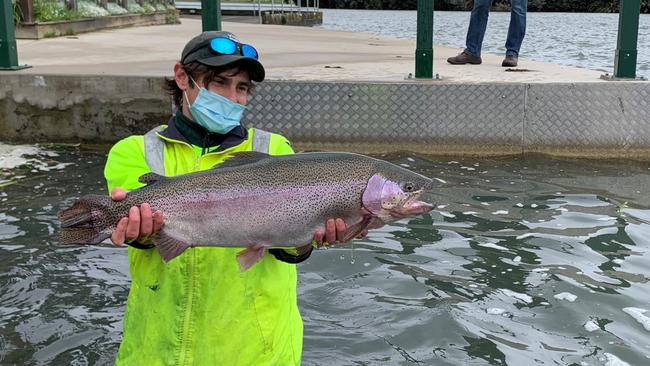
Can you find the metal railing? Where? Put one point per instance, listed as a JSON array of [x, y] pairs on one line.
[[424, 45], [625, 59], [626, 44], [211, 10], [211, 15], [274, 6], [8, 49]]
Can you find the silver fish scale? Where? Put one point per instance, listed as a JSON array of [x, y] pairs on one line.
[[278, 201]]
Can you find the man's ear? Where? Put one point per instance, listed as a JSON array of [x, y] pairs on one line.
[[181, 77]]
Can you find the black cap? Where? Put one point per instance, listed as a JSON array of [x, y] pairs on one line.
[[198, 50]]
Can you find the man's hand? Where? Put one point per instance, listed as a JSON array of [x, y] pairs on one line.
[[139, 225], [334, 233]]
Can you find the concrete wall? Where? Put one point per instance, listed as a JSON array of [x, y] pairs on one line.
[[74, 109], [589, 120], [61, 28]]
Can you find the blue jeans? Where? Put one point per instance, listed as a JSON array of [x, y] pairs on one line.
[[478, 24]]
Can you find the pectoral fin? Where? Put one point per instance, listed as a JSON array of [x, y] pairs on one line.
[[375, 223], [354, 230], [249, 256], [169, 245]]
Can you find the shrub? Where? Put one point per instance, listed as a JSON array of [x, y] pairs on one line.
[[114, 9], [148, 8], [135, 8], [89, 9], [52, 10]]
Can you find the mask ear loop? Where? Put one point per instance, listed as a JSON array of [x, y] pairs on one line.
[[186, 99], [195, 84], [185, 93]]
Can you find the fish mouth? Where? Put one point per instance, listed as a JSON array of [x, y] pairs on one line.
[[411, 206]]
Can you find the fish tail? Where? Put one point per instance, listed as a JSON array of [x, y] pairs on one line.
[[87, 221]]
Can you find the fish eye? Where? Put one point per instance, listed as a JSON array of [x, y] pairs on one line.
[[408, 186]]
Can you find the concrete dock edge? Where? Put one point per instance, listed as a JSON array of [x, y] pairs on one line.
[[582, 119]]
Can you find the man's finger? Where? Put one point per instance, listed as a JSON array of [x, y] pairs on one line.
[[158, 221], [330, 231], [146, 220], [341, 228], [120, 230], [133, 228], [318, 237]]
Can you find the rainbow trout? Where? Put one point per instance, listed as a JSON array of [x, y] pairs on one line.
[[257, 201]]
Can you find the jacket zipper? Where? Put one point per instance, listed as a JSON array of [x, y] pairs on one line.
[[187, 330]]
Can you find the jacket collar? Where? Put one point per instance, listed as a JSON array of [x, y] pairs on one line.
[[183, 129]]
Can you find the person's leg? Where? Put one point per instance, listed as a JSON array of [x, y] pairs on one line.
[[477, 25], [517, 29]]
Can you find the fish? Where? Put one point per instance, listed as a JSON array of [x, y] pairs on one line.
[[258, 201]]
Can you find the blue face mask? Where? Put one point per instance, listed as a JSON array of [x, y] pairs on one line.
[[214, 112]]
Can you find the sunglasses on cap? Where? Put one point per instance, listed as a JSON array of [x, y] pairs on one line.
[[225, 46]]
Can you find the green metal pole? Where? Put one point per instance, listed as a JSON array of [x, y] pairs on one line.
[[626, 46], [8, 52], [211, 15], [424, 47]]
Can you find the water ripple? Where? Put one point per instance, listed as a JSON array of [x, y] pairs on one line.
[[525, 258], [574, 39]]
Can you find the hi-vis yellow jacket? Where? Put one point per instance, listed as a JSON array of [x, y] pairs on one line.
[[198, 309]]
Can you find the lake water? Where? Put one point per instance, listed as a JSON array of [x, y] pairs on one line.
[[576, 39], [526, 260]]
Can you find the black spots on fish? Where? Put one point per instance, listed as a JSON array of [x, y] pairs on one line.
[[408, 180], [88, 221], [241, 158], [150, 178]]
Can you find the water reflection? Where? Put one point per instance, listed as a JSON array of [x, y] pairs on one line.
[[525, 258]]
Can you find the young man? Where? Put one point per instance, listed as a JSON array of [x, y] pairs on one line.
[[199, 309], [476, 31]]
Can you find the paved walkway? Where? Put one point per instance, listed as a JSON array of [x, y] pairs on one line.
[[288, 53]]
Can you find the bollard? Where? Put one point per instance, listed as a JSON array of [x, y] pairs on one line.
[[8, 51], [211, 15], [626, 45], [424, 47]]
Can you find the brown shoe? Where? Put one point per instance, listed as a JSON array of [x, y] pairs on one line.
[[464, 58], [509, 61]]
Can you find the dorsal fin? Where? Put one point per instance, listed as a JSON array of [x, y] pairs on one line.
[[150, 178], [242, 158]]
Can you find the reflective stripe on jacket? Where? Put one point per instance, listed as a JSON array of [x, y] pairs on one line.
[[198, 309]]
